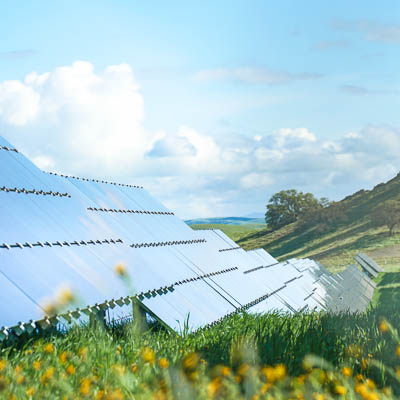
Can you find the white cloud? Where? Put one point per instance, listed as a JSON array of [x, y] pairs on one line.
[[43, 162], [293, 137], [76, 120], [172, 146], [256, 181], [80, 118], [19, 103]]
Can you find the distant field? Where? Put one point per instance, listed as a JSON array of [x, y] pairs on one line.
[[235, 232], [226, 221]]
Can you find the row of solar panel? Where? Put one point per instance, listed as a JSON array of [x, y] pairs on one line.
[[51, 228]]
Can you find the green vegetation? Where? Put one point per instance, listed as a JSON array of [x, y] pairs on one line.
[[350, 227], [235, 232], [288, 206], [387, 213], [244, 357]]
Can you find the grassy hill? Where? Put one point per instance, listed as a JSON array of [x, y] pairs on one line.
[[334, 248], [235, 232]]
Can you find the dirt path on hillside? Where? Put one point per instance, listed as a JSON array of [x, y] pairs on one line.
[[386, 252]]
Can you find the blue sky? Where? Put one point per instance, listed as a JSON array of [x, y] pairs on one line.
[[212, 106]]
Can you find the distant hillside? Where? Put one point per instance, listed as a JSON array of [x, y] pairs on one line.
[[336, 247], [226, 221]]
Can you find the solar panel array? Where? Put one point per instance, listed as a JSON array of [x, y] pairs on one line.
[[61, 231]]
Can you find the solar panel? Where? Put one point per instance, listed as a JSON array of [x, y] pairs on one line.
[[60, 231]]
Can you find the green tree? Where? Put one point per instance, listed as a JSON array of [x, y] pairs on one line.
[[387, 213], [324, 218], [287, 206]]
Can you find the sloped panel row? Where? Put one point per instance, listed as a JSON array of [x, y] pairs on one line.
[[71, 232]]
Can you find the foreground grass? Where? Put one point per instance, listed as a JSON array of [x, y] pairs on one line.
[[245, 357]]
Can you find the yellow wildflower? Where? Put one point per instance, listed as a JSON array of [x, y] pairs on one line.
[[36, 365], [84, 387], [30, 391], [273, 374], [193, 376], [361, 389], [115, 395], [280, 372], [213, 386], [340, 389], [318, 396], [370, 383], [148, 355], [359, 377], [70, 370], [63, 357], [268, 372], [18, 369], [346, 371], [120, 270], [398, 351], [191, 361], [373, 396], [49, 348], [383, 326], [48, 374], [20, 380], [82, 352], [243, 369], [50, 308], [225, 371], [163, 363], [134, 368], [2, 365], [100, 395], [65, 296], [265, 388]]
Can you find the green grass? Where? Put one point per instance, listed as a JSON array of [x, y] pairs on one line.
[[225, 361]]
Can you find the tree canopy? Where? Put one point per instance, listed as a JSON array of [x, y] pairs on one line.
[[387, 213], [287, 206]]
